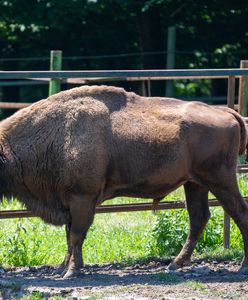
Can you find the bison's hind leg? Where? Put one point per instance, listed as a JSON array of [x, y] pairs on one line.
[[199, 214], [224, 186]]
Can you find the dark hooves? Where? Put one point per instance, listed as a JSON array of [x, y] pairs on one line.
[[243, 270], [71, 273]]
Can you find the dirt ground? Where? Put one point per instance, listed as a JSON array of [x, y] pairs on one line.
[[151, 280]]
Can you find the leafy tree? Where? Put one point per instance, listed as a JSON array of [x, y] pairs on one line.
[[210, 34]]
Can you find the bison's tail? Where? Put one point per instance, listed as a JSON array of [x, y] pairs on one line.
[[243, 131]]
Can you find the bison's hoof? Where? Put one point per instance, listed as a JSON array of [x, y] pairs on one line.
[[173, 266], [71, 273], [243, 270], [59, 270]]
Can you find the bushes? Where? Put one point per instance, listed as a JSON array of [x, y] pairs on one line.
[[169, 233], [171, 229]]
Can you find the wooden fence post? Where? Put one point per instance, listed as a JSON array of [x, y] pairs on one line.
[[55, 65], [243, 91], [231, 92], [230, 103], [226, 230], [170, 62]]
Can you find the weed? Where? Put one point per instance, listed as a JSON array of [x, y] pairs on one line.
[[69, 298], [34, 296], [196, 285], [167, 277], [169, 233]]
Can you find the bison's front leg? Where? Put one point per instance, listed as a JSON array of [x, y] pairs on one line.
[[82, 211], [197, 206], [65, 263]]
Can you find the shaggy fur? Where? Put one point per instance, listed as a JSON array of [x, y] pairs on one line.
[[63, 155]]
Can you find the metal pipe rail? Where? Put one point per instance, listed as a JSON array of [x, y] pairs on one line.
[[163, 74], [7, 214], [115, 208]]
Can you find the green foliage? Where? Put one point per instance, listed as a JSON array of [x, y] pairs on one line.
[[196, 285], [243, 184], [103, 27], [103, 34], [212, 236], [221, 254], [34, 296], [29, 241], [169, 233], [113, 237], [20, 244], [171, 229], [167, 277], [192, 88], [118, 238]]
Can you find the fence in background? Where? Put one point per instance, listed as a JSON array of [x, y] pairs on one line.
[[83, 77]]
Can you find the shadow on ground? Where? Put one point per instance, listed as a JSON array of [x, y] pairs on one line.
[[153, 273]]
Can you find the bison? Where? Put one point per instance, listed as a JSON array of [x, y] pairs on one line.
[[66, 154]]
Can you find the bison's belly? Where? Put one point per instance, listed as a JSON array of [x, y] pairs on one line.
[[148, 175], [144, 190]]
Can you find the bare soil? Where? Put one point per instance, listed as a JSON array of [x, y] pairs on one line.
[[151, 280]]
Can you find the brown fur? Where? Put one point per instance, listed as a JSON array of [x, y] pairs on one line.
[[63, 155]]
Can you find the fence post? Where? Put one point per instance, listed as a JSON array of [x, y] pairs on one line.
[[55, 65], [231, 92], [230, 103], [170, 62], [226, 231], [243, 91]]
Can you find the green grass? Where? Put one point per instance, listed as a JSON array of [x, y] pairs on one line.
[[167, 277], [116, 237], [196, 285]]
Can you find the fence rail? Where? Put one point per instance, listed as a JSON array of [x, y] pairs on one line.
[[117, 208], [161, 74]]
